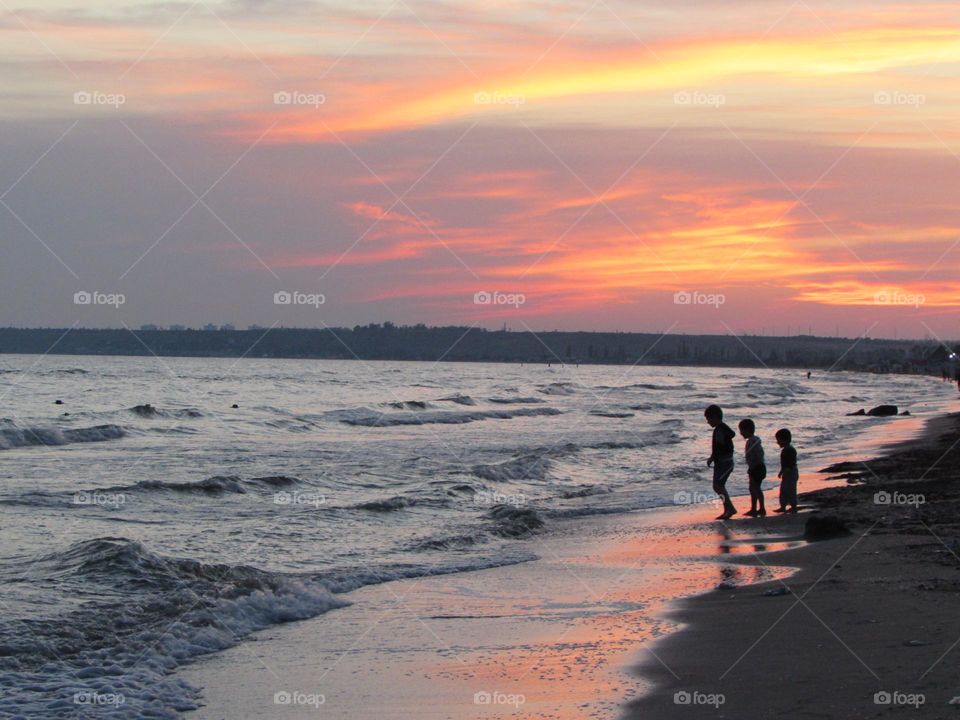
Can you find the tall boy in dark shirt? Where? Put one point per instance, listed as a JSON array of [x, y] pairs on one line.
[[721, 458]]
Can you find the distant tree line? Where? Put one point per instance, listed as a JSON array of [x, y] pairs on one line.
[[466, 344]]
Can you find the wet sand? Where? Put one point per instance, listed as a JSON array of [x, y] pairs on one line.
[[870, 625]]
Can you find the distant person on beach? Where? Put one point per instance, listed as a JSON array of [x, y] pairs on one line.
[[721, 458], [756, 467], [789, 473]]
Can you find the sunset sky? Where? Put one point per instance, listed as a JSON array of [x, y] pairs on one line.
[[702, 166]]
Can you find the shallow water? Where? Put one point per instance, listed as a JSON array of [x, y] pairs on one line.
[[154, 522]]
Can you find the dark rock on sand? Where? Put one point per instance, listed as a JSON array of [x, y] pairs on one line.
[[58, 402], [234, 406], [848, 466], [777, 592], [861, 411], [824, 528], [883, 411], [905, 412]]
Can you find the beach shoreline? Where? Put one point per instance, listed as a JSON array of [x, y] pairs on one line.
[[864, 628], [560, 633], [563, 632]]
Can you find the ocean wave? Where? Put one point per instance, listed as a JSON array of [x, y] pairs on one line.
[[559, 388], [504, 521], [775, 387], [460, 399], [690, 406], [154, 614], [612, 414], [400, 502], [408, 405], [534, 464], [151, 411], [57, 371], [292, 424], [18, 437], [648, 386], [114, 497], [527, 467], [371, 418], [516, 400], [514, 521], [451, 542], [390, 504], [585, 491], [216, 485], [174, 430], [637, 441], [343, 581]]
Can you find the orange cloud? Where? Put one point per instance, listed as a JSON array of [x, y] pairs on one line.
[[677, 65], [878, 294]]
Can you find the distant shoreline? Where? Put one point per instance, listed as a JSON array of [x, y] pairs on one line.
[[466, 344]]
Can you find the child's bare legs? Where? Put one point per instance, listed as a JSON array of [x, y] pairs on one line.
[[722, 470], [761, 505], [788, 492]]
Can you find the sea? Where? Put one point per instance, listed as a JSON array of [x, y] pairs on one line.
[[154, 510]]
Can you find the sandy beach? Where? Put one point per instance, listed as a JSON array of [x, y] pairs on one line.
[[562, 637], [868, 626]]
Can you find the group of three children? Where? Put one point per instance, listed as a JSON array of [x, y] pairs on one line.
[[721, 459]]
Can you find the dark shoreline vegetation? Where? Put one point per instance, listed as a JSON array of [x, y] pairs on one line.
[[466, 344], [874, 601]]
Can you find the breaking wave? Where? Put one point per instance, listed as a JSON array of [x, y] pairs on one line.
[[152, 614], [527, 467], [17, 437], [371, 418]]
